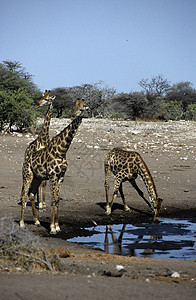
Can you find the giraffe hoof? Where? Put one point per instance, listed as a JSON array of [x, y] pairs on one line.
[[126, 208], [37, 223], [22, 225], [53, 231], [40, 206], [108, 212], [58, 229]]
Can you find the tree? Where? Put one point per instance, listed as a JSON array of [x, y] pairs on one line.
[[96, 96], [65, 101], [172, 110], [13, 77], [132, 105], [182, 92], [191, 112], [16, 110], [17, 95], [155, 88]]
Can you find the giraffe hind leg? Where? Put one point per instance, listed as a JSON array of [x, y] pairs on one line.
[[32, 193], [41, 196]]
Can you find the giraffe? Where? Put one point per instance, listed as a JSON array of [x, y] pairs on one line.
[[41, 141], [50, 164], [126, 165]]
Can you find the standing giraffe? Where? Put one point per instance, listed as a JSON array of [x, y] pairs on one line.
[[126, 165], [41, 141], [50, 164]]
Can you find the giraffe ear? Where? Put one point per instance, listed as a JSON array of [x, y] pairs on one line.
[[77, 101], [76, 107], [82, 103]]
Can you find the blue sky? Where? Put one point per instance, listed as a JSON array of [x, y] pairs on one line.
[[65, 43]]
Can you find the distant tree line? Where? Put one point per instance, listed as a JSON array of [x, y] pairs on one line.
[[158, 100]]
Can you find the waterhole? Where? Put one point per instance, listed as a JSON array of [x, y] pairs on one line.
[[170, 238]]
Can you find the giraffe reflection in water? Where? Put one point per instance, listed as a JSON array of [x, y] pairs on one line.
[[118, 242]]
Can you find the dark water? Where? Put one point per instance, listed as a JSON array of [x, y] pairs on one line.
[[170, 238]]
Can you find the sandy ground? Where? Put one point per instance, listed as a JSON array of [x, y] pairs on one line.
[[168, 148]]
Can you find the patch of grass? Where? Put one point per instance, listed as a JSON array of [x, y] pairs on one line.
[[20, 250]]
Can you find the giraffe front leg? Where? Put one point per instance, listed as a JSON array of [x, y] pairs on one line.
[[23, 204], [55, 196], [27, 179], [126, 208], [117, 182], [157, 208], [106, 185], [108, 208], [57, 202]]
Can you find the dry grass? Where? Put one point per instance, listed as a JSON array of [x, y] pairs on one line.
[[20, 250]]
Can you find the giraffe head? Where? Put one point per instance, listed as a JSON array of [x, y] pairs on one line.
[[46, 99], [79, 109], [157, 207]]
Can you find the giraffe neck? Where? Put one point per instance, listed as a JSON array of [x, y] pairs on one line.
[[147, 179], [44, 134], [43, 138], [63, 140]]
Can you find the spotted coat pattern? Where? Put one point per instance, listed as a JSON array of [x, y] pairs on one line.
[[50, 164], [127, 165], [41, 141]]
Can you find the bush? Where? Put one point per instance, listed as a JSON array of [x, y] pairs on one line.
[[172, 110], [16, 110], [191, 112], [20, 250]]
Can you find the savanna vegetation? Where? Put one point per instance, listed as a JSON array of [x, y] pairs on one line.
[[157, 100]]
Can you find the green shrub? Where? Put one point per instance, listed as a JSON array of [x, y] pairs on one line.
[[191, 112], [16, 109], [172, 110]]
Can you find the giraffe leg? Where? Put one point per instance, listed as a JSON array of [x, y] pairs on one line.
[[134, 184], [39, 194], [44, 193], [117, 183], [126, 208], [55, 196], [157, 208], [57, 227], [106, 185], [32, 193], [32, 199], [27, 179], [42, 196]]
